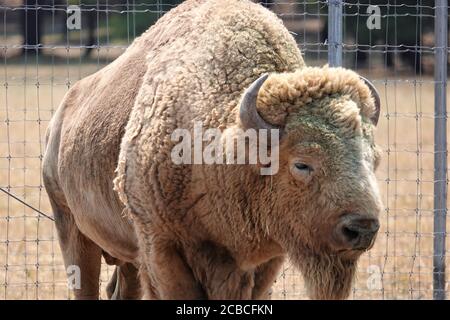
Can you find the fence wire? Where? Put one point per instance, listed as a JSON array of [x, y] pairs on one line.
[[42, 58]]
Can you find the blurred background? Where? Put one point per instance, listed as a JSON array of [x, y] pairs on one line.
[[405, 38], [41, 58]]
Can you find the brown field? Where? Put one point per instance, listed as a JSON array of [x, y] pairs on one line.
[[30, 260]]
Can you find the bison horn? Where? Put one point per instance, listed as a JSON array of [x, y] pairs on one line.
[[376, 96], [249, 116]]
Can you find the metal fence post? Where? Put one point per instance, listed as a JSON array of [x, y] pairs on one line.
[[335, 33], [440, 148]]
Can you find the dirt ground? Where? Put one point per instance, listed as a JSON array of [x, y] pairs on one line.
[[398, 267]]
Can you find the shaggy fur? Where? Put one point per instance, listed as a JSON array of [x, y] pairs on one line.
[[286, 93], [209, 231]]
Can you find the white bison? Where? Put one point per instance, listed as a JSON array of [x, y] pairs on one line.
[[217, 231]]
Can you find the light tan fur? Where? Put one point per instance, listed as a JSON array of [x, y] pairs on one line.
[[209, 231]]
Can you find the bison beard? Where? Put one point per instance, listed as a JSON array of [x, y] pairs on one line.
[[327, 276]]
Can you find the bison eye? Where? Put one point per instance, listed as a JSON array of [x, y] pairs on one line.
[[303, 167], [301, 171]]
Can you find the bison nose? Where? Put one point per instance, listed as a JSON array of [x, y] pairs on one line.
[[356, 232]]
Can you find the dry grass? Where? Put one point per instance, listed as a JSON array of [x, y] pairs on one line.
[[30, 260]]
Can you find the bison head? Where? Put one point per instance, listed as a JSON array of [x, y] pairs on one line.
[[325, 195]]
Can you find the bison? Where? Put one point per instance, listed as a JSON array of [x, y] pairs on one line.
[[216, 231]]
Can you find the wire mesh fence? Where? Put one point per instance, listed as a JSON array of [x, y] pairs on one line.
[[44, 52]]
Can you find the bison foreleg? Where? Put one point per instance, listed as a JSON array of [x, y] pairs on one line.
[[112, 285], [265, 276], [168, 276], [124, 284]]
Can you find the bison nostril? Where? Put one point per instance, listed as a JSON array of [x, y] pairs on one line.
[[356, 232], [350, 234]]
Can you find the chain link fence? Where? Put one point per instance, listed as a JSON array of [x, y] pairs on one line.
[[402, 46]]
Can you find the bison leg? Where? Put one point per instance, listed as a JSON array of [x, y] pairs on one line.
[[78, 251], [265, 276], [112, 284], [169, 276], [220, 275], [124, 284]]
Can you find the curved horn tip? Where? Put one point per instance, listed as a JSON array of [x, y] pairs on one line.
[[257, 84], [248, 113], [377, 99]]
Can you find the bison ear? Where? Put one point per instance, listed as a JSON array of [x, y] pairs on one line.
[[248, 113], [376, 97]]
